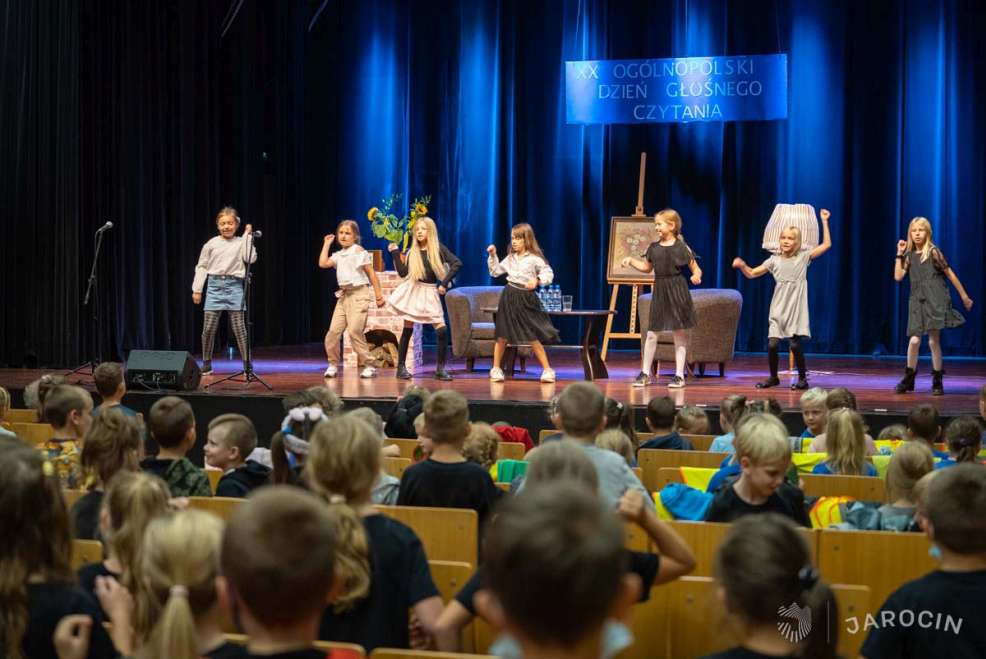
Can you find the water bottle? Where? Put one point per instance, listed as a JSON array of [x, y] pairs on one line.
[[543, 296], [555, 298]]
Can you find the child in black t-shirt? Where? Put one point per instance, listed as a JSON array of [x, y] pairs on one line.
[[767, 581], [940, 614], [564, 460], [113, 444], [446, 479], [380, 563], [763, 453], [232, 437], [37, 589], [278, 561]]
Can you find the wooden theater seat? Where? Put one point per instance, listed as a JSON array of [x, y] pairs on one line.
[[407, 447], [86, 551], [214, 476], [705, 537], [861, 488], [395, 466], [22, 416], [219, 506], [700, 442], [327, 646], [391, 653], [448, 534], [33, 433], [652, 459], [510, 451]]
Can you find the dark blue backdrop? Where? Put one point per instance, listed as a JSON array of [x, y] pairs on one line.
[[300, 124]]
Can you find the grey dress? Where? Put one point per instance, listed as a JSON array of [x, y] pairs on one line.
[[930, 305], [789, 306]]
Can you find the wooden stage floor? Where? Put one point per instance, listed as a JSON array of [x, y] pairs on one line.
[[291, 368]]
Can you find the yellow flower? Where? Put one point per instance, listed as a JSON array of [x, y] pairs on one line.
[[372, 213], [421, 209]]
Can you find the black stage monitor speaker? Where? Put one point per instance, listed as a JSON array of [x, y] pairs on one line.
[[162, 369]]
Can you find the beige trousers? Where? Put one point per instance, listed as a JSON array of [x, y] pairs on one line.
[[350, 315]]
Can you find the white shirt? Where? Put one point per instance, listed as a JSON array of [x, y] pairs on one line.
[[521, 269], [349, 266], [223, 257]]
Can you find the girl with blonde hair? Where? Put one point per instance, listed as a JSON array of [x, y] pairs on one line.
[[428, 269], [671, 307], [929, 307], [519, 317], [845, 442], [789, 306], [380, 563]]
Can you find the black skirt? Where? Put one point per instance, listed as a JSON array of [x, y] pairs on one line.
[[671, 306], [520, 318]]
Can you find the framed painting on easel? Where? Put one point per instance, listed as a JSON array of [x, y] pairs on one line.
[[628, 236]]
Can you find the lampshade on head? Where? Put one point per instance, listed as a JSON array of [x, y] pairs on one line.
[[800, 216]]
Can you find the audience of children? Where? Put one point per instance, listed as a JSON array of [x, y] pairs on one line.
[[445, 478], [69, 411], [691, 420], [172, 425], [731, 410], [766, 580], [660, 420], [482, 445], [381, 566], [963, 436], [231, 439], [846, 444], [111, 387], [763, 454], [953, 516], [113, 445]]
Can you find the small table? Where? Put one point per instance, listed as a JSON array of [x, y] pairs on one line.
[[592, 365]]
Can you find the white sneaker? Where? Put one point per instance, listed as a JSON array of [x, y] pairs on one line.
[[548, 375], [368, 372], [331, 371], [496, 374]]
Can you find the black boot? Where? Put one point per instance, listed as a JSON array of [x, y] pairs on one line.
[[402, 345], [936, 385], [799, 360], [907, 382], [442, 335]]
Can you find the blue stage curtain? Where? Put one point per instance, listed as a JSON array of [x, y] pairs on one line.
[[155, 115]]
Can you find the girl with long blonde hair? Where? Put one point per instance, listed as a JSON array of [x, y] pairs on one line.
[[929, 308], [380, 563], [671, 307], [428, 269], [519, 317], [845, 443]]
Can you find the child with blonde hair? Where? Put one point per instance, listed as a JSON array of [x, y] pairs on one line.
[[380, 563], [691, 420], [4, 411], [133, 499], [355, 276], [178, 566], [731, 410], [113, 444], [845, 440], [428, 269], [617, 442], [908, 465], [671, 307], [763, 454], [223, 263], [814, 411], [929, 307], [519, 317], [481, 445], [789, 306]]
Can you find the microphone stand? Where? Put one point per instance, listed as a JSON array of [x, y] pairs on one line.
[[247, 373], [92, 293]]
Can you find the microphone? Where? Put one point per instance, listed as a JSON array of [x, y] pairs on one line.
[[257, 234], [105, 227]]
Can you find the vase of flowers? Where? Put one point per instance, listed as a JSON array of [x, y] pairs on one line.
[[387, 225]]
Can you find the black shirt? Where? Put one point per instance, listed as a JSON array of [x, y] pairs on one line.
[[451, 261], [50, 602], [227, 651], [448, 485], [85, 516], [787, 500], [87, 579], [399, 579], [938, 615], [243, 480], [644, 565]]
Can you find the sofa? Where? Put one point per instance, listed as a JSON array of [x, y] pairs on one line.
[[472, 328], [712, 340]]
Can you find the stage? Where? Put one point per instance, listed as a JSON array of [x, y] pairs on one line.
[[523, 399]]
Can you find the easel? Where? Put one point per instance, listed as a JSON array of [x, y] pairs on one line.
[[635, 287]]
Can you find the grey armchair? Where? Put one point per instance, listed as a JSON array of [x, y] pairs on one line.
[[472, 328]]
